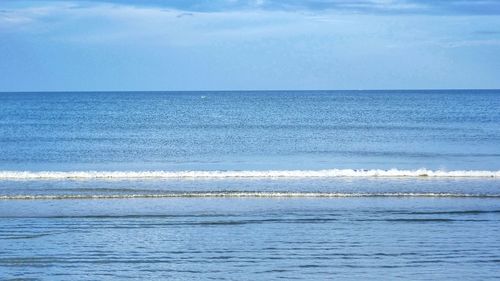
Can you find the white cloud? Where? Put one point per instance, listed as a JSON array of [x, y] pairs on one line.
[[107, 23]]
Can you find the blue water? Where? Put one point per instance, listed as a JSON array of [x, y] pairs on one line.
[[250, 130], [310, 185]]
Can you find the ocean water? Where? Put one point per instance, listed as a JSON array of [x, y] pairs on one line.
[[250, 185]]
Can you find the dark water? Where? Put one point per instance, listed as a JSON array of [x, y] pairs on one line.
[[379, 185]]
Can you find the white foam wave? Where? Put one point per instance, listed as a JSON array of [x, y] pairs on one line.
[[243, 194], [331, 173]]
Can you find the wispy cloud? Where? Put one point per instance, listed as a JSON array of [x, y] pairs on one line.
[[105, 22], [440, 7], [108, 23]]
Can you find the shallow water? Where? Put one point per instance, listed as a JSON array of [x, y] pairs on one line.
[[248, 239]]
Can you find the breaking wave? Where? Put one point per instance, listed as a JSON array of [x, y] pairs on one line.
[[330, 173]]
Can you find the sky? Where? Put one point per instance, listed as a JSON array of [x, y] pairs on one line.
[[180, 45]]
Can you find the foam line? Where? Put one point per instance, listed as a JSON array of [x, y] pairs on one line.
[[331, 173], [242, 194]]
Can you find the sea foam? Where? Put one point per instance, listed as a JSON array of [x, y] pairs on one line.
[[242, 194], [330, 173]]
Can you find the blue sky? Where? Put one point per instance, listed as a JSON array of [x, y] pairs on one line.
[[249, 45]]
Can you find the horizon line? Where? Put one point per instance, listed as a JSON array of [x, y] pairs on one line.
[[261, 90]]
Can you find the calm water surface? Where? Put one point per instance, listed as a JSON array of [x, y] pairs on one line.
[[59, 221], [250, 130]]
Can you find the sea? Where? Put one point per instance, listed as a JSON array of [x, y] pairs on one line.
[[250, 185]]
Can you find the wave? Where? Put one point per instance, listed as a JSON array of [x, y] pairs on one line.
[[330, 173], [242, 194]]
